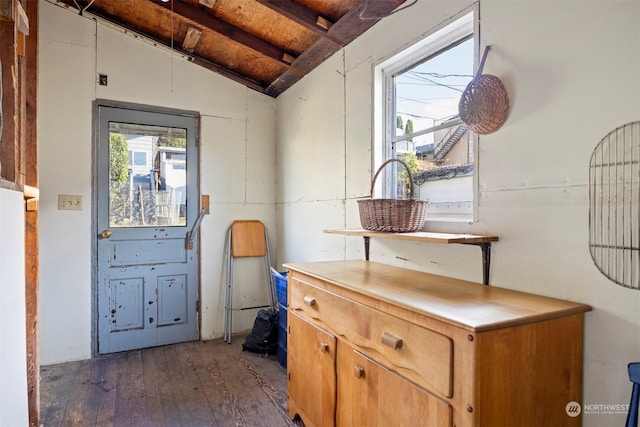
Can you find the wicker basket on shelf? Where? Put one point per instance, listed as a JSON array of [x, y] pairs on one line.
[[484, 104], [392, 215]]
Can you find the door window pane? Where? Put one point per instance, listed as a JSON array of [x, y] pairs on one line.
[[147, 170]]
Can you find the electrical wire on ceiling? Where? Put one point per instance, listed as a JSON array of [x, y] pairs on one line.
[[81, 10], [366, 4]]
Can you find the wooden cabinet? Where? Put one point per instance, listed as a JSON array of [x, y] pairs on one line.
[[370, 344]]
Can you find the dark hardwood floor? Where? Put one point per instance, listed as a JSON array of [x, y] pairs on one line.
[[201, 383]]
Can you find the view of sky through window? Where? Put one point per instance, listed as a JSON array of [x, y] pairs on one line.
[[428, 94]]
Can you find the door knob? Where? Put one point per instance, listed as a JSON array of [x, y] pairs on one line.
[[105, 234]]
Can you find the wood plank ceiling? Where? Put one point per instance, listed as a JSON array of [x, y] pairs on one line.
[[267, 45]]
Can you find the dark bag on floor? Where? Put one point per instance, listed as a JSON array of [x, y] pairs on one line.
[[264, 335]]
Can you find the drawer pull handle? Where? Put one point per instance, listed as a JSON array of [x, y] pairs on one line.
[[310, 301], [324, 347], [358, 371], [391, 341]]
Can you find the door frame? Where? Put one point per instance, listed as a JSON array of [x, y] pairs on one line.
[[97, 103]]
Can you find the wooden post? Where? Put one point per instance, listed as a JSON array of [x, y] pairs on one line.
[[19, 157], [9, 145], [32, 275]]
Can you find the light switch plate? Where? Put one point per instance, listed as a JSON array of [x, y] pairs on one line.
[[68, 202]]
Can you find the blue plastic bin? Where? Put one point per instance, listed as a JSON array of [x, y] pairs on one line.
[[281, 295], [282, 336], [281, 286]]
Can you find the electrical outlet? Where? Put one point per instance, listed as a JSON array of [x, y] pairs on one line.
[[67, 202]]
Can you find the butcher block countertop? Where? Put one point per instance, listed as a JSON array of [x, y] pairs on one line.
[[468, 305]]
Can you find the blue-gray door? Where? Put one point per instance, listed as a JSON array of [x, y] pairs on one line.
[[147, 200]]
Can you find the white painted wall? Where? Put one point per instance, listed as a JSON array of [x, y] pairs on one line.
[[14, 409], [237, 160], [571, 69]]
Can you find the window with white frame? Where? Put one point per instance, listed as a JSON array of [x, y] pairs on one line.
[[418, 94], [137, 158]]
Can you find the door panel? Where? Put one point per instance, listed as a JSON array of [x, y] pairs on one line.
[[144, 252], [371, 395], [312, 373], [126, 295], [172, 300], [146, 202]]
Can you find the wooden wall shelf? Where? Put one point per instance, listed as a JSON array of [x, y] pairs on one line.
[[428, 237]]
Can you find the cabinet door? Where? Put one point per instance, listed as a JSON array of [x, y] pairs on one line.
[[371, 395], [311, 356]]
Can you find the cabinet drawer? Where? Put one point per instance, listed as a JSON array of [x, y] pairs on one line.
[[418, 354]]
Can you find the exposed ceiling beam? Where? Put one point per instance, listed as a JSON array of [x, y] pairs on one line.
[[237, 35], [202, 19], [310, 58], [301, 15], [199, 20], [196, 59], [347, 28], [361, 18]]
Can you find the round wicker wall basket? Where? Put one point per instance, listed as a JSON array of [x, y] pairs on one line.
[[392, 215], [484, 104]]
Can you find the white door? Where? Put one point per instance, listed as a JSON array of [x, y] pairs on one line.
[[147, 200]]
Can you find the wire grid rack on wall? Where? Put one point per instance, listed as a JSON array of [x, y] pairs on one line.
[[614, 205]]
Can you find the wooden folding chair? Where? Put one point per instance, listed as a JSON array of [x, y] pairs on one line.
[[246, 238]]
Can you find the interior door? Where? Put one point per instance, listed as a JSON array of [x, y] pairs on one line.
[[146, 203]]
